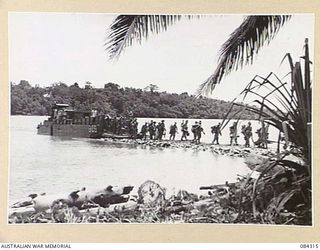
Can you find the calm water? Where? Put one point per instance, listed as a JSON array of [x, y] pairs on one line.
[[48, 164]]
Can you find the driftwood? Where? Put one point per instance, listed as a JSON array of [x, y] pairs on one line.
[[81, 199], [22, 211], [113, 204], [129, 205]]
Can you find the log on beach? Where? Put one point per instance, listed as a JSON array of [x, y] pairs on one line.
[[22, 211], [220, 187], [148, 205], [81, 199], [129, 205]]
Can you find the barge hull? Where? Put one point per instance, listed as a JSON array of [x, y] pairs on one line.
[[69, 130]]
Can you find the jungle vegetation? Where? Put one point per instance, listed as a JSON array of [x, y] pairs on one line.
[[115, 100]]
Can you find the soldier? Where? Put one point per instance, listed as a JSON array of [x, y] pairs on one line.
[[182, 123], [199, 131], [234, 134], [194, 129], [94, 114], [114, 125], [247, 134], [243, 128], [216, 131], [156, 136], [173, 131], [144, 130], [107, 124], [161, 129], [184, 130], [263, 135], [152, 130], [134, 125]]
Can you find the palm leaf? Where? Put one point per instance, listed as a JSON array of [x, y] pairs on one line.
[[237, 51], [127, 28], [243, 43]]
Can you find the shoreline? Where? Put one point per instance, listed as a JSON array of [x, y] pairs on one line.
[[151, 203], [222, 149], [243, 119]]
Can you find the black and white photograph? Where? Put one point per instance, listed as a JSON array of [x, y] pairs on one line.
[[160, 118]]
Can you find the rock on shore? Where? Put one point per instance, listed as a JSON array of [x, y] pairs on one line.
[[236, 150]]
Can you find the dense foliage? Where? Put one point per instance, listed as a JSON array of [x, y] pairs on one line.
[[283, 191], [112, 99]]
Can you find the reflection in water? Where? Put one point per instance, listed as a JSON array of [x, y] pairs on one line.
[[48, 164], [101, 143]]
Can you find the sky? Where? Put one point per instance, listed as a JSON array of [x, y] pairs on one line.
[[45, 48]]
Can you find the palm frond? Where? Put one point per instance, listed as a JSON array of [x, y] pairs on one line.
[[243, 43], [280, 102], [127, 28]]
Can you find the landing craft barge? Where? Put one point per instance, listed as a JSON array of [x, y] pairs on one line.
[[65, 121]]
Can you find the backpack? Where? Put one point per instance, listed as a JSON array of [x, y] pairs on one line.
[[213, 129]]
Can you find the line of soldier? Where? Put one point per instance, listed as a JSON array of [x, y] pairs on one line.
[[156, 131], [121, 125], [246, 130]]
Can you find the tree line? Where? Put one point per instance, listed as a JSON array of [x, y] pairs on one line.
[[115, 100]]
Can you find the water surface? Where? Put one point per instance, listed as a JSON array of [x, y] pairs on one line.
[[40, 163]]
